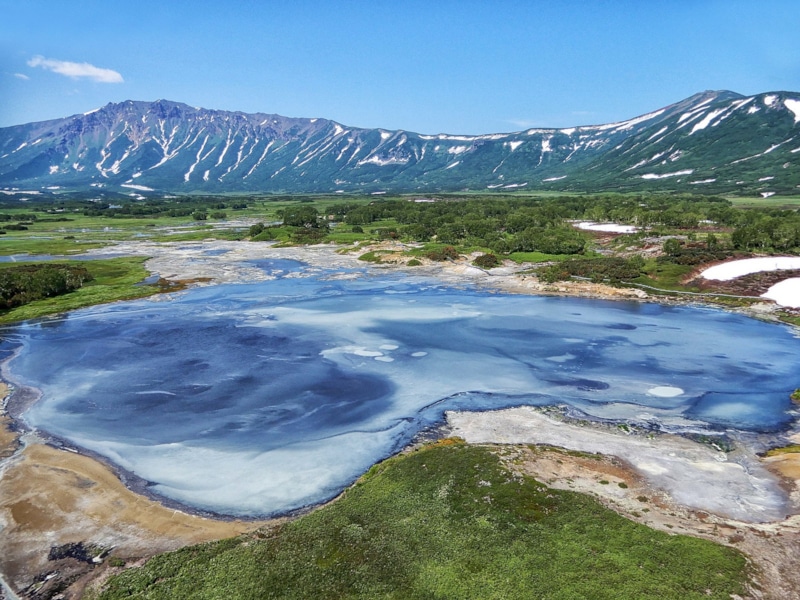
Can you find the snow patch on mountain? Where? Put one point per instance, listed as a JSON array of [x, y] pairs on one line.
[[383, 161], [706, 121], [765, 152], [141, 188], [658, 133], [794, 107], [665, 175], [626, 125]]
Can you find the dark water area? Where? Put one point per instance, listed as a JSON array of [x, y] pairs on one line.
[[262, 398]]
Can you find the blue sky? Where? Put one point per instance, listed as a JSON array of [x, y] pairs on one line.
[[463, 66]]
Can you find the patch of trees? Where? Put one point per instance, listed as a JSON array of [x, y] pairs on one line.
[[512, 224], [22, 284], [502, 225], [305, 224], [302, 216], [158, 207], [18, 217], [777, 230], [697, 253], [612, 269]]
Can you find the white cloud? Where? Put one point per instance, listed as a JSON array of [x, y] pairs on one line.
[[76, 70], [21, 76]]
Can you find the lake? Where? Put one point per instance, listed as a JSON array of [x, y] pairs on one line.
[[260, 399]]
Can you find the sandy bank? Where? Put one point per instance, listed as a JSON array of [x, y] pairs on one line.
[[51, 497]]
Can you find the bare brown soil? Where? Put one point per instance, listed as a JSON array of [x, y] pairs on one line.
[[51, 497]]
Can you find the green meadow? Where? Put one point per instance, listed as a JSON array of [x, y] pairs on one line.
[[446, 521]]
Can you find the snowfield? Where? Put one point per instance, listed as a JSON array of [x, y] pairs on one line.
[[746, 266], [606, 227], [786, 293]]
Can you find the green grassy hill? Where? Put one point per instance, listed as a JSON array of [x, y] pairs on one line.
[[447, 521]]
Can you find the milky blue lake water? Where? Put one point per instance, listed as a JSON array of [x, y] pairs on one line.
[[258, 399]]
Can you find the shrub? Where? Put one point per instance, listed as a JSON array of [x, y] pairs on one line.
[[265, 235], [598, 269], [486, 261], [446, 253]]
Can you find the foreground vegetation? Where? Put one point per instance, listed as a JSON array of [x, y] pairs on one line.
[[447, 521]]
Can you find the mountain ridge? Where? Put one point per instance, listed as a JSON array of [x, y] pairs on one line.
[[713, 141]]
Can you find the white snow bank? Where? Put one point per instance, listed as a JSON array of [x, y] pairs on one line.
[[785, 293], [794, 106], [606, 227], [746, 266]]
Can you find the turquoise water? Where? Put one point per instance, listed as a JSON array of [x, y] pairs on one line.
[[263, 398]]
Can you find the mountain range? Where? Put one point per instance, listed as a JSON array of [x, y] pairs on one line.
[[712, 142]]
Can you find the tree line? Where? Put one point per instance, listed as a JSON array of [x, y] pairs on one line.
[[22, 284]]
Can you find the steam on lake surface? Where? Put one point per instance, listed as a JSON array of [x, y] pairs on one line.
[[258, 399]]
